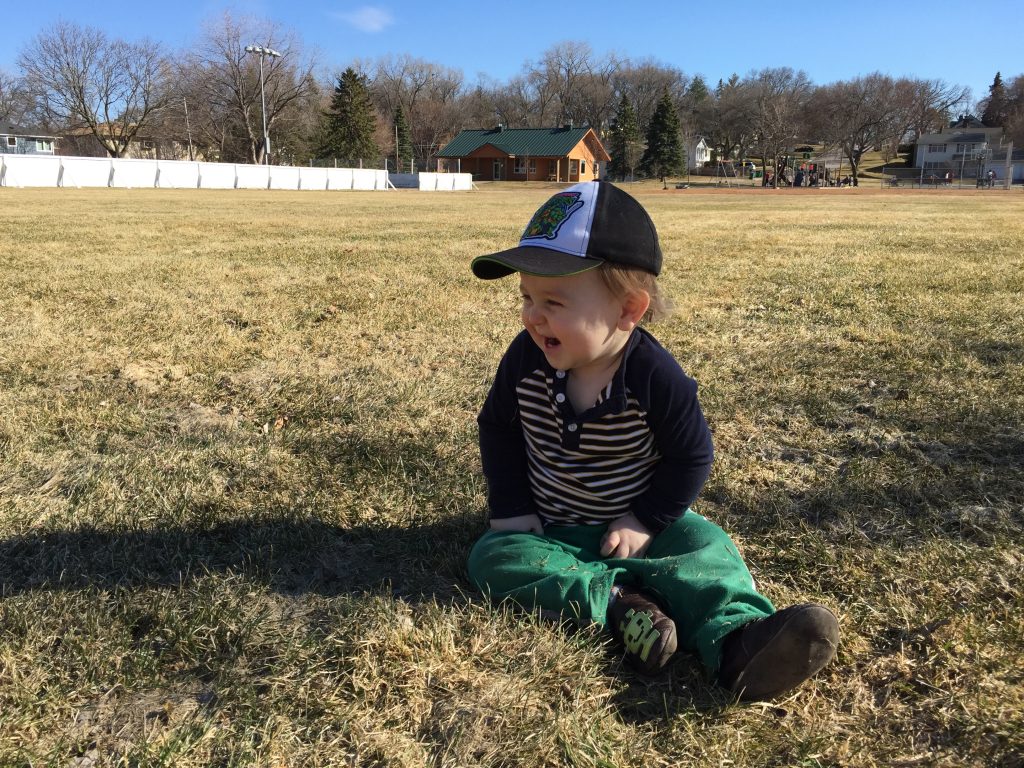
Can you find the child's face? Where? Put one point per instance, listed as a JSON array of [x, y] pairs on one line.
[[575, 320]]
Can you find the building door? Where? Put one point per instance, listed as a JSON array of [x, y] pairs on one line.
[[499, 169], [574, 170]]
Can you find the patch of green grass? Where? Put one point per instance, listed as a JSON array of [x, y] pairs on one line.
[[239, 480]]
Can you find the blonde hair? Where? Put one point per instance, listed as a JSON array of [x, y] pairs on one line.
[[622, 281]]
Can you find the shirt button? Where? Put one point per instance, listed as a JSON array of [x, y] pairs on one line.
[[559, 398], [572, 427], [560, 374]]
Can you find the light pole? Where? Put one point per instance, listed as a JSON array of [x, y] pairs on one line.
[[188, 128], [263, 51]]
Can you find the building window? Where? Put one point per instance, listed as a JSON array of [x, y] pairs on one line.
[[521, 166], [936, 148], [147, 144], [583, 166], [44, 146], [11, 141]]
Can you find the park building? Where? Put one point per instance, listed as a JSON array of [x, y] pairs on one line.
[[567, 154]]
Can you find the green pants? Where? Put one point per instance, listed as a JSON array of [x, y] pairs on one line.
[[693, 566]]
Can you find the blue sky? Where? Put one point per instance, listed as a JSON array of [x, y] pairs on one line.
[[958, 42]]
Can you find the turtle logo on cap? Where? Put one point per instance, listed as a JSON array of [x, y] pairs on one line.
[[552, 215]]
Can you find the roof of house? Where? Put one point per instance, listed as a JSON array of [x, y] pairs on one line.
[[26, 132], [991, 137], [967, 121], [538, 142]]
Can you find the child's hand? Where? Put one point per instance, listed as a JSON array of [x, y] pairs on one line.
[[626, 537], [520, 523]]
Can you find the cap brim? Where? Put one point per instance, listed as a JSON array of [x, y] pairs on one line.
[[532, 261]]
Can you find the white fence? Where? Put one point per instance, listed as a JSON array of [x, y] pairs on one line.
[[446, 182], [51, 171], [432, 182]]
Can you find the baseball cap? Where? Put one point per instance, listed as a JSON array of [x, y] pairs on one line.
[[577, 229]]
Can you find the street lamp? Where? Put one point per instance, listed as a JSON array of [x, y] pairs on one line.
[[263, 51], [188, 128]]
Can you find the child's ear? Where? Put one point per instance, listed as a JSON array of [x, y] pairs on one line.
[[634, 307]]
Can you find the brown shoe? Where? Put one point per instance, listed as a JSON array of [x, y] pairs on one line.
[[767, 657], [648, 635]]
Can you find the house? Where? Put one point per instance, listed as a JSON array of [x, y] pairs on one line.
[[81, 142], [966, 148], [1007, 162], [525, 154], [26, 141], [698, 152]]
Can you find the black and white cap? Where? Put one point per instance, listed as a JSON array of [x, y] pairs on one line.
[[577, 229]]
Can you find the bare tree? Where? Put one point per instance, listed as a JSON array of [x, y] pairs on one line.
[[222, 84], [596, 97], [928, 105], [83, 79], [643, 84], [571, 84], [13, 99], [538, 95], [778, 96], [856, 115], [731, 121], [514, 105], [428, 94], [397, 81], [562, 69]]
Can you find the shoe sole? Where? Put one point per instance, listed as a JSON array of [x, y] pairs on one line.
[[656, 663], [798, 650]]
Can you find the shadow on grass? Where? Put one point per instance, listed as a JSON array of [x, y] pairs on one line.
[[421, 562], [291, 557], [908, 477], [684, 688], [416, 564], [286, 550]]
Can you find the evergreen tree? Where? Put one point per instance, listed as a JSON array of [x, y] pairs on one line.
[[995, 112], [350, 124], [664, 155], [403, 141], [698, 110], [625, 143], [697, 91]]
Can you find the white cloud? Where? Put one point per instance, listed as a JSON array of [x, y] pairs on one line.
[[369, 18]]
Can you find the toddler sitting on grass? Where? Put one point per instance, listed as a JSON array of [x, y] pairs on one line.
[[594, 447]]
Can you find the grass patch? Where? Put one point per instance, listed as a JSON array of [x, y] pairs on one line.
[[239, 480]]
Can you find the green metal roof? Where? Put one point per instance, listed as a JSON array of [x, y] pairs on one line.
[[535, 142]]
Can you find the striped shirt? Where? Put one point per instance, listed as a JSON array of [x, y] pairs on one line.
[[643, 447]]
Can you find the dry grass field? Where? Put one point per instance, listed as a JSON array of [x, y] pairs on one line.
[[239, 480]]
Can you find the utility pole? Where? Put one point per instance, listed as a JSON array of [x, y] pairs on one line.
[[263, 51], [188, 129]]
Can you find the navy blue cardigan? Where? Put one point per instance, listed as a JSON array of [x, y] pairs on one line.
[[666, 395]]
